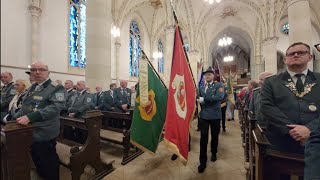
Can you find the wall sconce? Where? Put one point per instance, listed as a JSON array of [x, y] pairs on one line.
[[115, 31]]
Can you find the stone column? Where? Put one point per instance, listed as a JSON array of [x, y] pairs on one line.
[[259, 66], [269, 49], [169, 30], [194, 58], [300, 23], [35, 11], [99, 20], [117, 45]]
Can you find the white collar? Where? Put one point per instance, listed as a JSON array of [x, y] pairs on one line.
[[292, 74]]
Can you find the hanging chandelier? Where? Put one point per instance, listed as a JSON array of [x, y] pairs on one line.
[[212, 1], [228, 58], [225, 41]]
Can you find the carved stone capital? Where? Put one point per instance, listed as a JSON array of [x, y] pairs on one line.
[[194, 52], [117, 44], [270, 40], [35, 11], [169, 29]]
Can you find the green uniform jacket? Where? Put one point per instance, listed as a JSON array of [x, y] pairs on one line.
[[280, 106], [255, 106], [43, 108], [81, 102], [7, 93], [121, 97], [108, 102], [211, 109]]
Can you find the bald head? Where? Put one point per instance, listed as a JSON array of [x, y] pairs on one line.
[[98, 87], [68, 84], [6, 78], [262, 77], [81, 85], [123, 83]]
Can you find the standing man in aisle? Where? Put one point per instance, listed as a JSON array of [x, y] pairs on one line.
[[209, 97]]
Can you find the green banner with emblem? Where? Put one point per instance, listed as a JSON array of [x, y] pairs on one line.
[[149, 116]]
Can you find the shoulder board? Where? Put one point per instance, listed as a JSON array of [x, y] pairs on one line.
[[256, 88], [270, 76], [54, 84], [88, 92]]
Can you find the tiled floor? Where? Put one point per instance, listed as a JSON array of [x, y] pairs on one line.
[[230, 163], [229, 166]]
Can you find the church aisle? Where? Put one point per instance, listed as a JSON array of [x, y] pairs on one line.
[[230, 163]]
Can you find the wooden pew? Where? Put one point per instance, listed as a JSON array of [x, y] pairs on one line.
[[120, 135], [269, 164], [77, 156], [16, 142]]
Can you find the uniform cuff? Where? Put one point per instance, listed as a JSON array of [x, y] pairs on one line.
[[34, 116]]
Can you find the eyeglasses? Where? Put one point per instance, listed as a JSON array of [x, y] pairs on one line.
[[299, 53], [317, 46], [40, 70]]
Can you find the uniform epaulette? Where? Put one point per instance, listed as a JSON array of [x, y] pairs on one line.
[[270, 76], [88, 92], [256, 88], [54, 84]]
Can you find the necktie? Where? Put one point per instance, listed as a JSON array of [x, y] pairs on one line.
[[299, 84], [205, 89]]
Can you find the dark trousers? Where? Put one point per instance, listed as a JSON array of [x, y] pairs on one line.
[[312, 157], [204, 130], [223, 117], [46, 159]]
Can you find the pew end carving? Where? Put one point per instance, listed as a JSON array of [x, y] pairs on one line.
[[76, 156]]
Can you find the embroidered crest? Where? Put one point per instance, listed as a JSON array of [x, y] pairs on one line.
[[307, 89], [60, 96], [88, 99], [148, 110], [180, 100]]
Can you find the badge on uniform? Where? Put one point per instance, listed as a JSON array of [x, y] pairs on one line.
[[38, 98], [312, 107], [88, 100], [60, 96], [12, 91]]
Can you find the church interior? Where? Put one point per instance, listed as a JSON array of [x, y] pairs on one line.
[[100, 42]]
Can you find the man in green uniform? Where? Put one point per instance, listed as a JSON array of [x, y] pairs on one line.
[[41, 106], [209, 97], [122, 97], [290, 101], [255, 105], [7, 92], [80, 103]]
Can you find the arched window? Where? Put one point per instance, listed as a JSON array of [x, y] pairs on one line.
[[77, 34], [161, 59], [134, 49], [285, 28]]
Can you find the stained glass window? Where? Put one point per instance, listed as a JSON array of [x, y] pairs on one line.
[[134, 49], [160, 60], [77, 41], [285, 28], [186, 47]]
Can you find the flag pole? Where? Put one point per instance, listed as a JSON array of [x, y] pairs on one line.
[[154, 70], [177, 22]]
